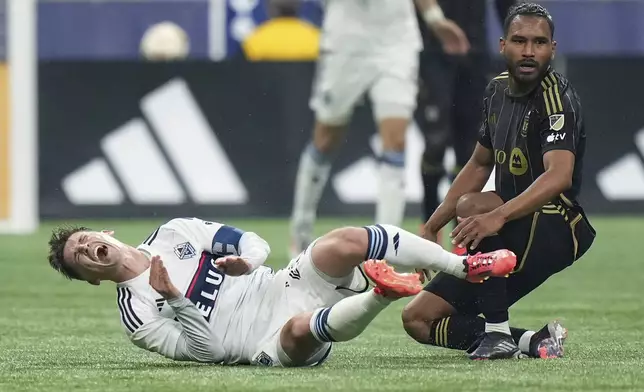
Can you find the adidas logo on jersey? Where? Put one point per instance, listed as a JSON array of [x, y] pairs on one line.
[[624, 178], [185, 160]]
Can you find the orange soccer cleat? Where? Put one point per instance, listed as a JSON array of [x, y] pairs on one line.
[[389, 283], [481, 266]]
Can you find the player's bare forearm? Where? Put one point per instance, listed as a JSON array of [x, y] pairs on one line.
[[424, 5], [471, 178], [557, 178]]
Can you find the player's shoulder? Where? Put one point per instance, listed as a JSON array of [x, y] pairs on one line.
[[135, 303], [558, 94], [497, 83], [188, 223]]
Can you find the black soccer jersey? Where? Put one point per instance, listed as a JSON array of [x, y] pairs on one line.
[[520, 130]]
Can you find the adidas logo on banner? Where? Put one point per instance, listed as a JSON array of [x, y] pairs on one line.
[[358, 183], [624, 178], [204, 172]]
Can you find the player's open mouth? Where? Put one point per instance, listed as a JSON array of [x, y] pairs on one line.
[[527, 67], [101, 252]]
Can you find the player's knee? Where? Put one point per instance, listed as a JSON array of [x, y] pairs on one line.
[[297, 328], [471, 204], [296, 340], [327, 138], [349, 242]]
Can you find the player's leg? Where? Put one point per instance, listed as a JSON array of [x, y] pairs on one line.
[[559, 237], [338, 85], [306, 336], [393, 98], [340, 251], [492, 294], [433, 117], [445, 315], [470, 82], [490, 298]]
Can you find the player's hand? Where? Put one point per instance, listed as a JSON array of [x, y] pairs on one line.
[[233, 265], [471, 230], [160, 280], [452, 37]]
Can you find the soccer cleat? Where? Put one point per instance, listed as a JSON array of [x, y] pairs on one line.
[[548, 342], [459, 251], [389, 283], [496, 345], [481, 266]]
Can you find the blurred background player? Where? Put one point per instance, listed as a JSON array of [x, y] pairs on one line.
[[450, 95], [284, 37], [367, 47]]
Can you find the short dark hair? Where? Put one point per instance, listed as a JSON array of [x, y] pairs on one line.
[[528, 9], [59, 237]]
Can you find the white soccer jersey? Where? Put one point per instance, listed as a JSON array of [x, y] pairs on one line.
[[215, 320], [370, 26]]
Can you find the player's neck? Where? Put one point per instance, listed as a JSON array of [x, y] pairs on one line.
[[134, 264], [521, 89]]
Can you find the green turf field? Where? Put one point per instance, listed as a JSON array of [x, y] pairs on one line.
[[57, 335]]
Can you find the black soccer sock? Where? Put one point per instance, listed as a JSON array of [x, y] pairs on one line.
[[431, 179], [457, 331], [460, 332], [517, 333], [493, 297], [493, 300]]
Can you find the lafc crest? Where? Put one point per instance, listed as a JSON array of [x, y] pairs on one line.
[[557, 122]]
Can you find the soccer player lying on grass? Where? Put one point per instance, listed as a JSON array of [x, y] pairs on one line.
[[197, 290]]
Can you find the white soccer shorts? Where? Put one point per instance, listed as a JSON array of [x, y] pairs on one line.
[[390, 78], [296, 289]]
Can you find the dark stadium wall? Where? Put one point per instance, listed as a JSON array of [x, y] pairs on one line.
[[125, 139]]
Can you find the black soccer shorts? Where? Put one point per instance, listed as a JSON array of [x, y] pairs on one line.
[[545, 243]]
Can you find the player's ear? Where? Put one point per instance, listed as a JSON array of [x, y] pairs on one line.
[[108, 232], [501, 45], [554, 49]]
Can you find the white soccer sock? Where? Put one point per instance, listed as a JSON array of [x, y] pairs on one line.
[[312, 176], [348, 318], [524, 341], [391, 199], [503, 327], [404, 249]]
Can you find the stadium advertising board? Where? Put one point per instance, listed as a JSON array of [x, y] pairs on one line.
[[120, 139]]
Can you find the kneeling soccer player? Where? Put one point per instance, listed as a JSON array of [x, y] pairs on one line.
[[533, 136]]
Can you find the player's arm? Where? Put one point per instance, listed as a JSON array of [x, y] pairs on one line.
[[188, 339], [225, 239], [472, 178], [449, 33], [560, 131]]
